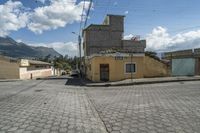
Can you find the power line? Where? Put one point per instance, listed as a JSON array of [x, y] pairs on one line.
[[88, 12], [82, 18]]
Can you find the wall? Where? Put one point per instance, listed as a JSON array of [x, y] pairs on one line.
[[183, 67], [135, 46], [197, 66], [109, 35], [100, 38], [116, 68], [155, 68], [106, 36], [8, 69], [24, 74]]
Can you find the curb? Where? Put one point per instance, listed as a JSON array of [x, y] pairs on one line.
[[10, 80], [139, 83]]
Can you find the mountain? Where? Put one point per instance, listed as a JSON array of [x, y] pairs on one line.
[[9, 47]]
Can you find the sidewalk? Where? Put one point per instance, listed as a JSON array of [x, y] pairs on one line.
[[141, 81], [10, 80]]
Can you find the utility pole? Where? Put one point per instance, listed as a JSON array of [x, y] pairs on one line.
[[79, 47], [131, 67], [80, 59]]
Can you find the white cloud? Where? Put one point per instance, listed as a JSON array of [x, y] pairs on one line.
[[19, 40], [58, 14], [126, 12], [131, 36], [161, 40], [69, 48], [12, 18], [128, 37]]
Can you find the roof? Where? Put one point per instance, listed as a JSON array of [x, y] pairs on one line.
[[99, 25], [35, 62], [115, 15], [96, 25]]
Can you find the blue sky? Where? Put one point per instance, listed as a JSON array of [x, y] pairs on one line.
[[166, 24]]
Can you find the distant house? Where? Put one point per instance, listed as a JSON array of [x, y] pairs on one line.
[[11, 68], [108, 57], [184, 62]]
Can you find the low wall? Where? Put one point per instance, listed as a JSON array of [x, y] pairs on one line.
[[24, 74], [155, 68]]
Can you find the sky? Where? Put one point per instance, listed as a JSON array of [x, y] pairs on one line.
[[167, 25]]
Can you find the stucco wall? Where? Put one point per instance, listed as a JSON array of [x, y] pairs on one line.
[[24, 74], [116, 68], [8, 70], [154, 68]]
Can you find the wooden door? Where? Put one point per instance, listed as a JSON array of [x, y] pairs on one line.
[[104, 72]]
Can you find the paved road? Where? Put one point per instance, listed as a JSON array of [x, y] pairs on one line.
[[51, 106]]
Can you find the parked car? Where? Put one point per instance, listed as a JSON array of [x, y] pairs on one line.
[[74, 73], [63, 73]]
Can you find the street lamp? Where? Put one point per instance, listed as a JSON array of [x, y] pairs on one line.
[[79, 44]]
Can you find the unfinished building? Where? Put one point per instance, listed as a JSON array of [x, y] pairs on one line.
[[109, 35]]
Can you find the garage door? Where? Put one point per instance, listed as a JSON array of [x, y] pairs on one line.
[[183, 67]]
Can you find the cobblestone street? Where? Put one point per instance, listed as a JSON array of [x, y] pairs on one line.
[[51, 106]]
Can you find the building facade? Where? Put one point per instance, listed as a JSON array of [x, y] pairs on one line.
[[184, 62], [114, 67], [11, 68], [31, 69], [109, 35], [108, 57]]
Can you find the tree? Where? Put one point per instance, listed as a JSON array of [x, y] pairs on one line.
[[152, 55]]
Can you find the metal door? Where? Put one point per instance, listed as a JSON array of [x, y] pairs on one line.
[[183, 67]]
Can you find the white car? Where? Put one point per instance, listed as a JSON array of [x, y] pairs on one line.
[[74, 73]]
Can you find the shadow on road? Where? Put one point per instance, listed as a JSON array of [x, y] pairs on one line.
[[74, 81]]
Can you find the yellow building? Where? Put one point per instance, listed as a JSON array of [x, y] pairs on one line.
[[11, 68], [112, 67], [109, 57]]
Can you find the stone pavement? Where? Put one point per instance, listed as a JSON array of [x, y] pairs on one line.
[[43, 106], [154, 108], [47, 106]]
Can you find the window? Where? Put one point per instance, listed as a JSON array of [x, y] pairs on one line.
[[130, 67]]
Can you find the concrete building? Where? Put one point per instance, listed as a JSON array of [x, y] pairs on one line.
[[30, 69], [184, 62], [120, 66], [114, 67], [11, 68], [108, 57], [109, 35]]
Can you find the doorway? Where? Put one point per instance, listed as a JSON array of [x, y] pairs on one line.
[[104, 72]]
